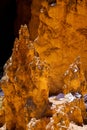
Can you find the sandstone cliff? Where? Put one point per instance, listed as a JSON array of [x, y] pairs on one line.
[[38, 68], [62, 37]]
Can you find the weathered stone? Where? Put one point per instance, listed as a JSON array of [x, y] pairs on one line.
[[62, 34], [24, 83], [74, 79], [62, 114], [62, 38], [2, 113], [36, 69], [38, 124]]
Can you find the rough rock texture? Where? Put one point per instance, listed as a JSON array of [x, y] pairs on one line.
[[2, 112], [24, 84], [63, 113], [62, 37], [74, 79], [36, 69]]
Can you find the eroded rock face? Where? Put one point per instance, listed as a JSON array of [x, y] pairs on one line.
[[24, 84], [62, 114], [62, 37], [2, 112], [36, 69], [62, 34], [74, 79]]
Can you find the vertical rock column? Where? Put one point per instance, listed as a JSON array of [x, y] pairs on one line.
[[24, 84]]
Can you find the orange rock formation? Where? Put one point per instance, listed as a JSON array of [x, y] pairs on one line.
[[74, 79], [62, 37], [61, 117], [37, 68], [24, 84]]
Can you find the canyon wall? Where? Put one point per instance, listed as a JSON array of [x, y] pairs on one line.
[[62, 36], [37, 69]]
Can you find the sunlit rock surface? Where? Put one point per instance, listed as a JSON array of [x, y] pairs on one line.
[[74, 79], [37, 69], [2, 112], [66, 110], [62, 37], [24, 84], [62, 33]]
